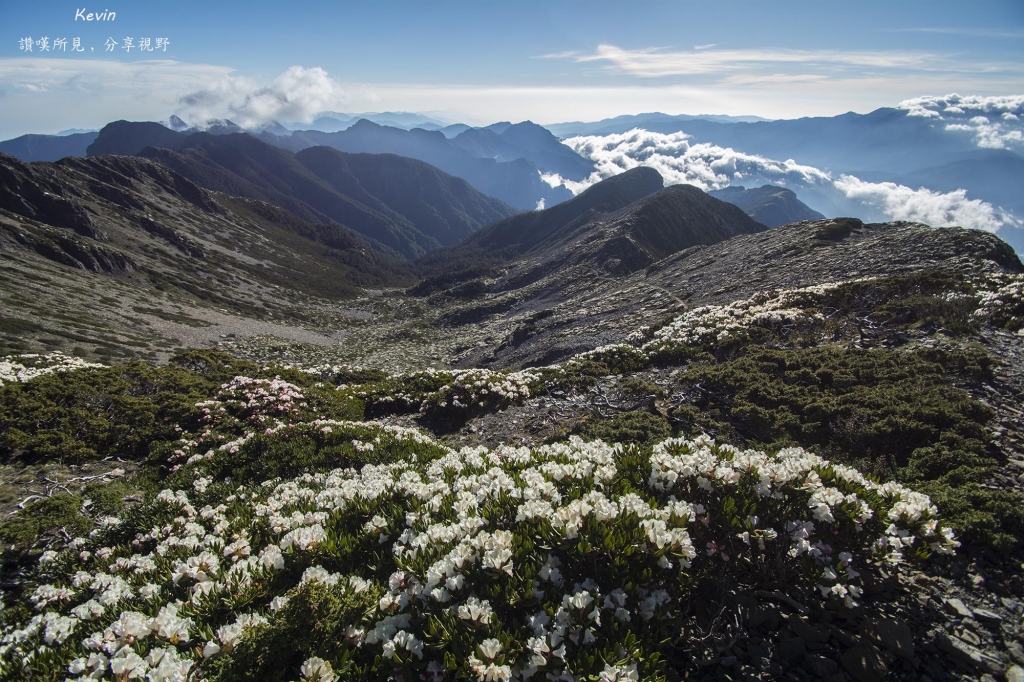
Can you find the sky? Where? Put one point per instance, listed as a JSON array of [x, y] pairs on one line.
[[490, 60]]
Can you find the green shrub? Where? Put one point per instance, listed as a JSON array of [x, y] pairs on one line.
[[641, 428], [118, 411], [451, 395], [893, 413], [314, 622]]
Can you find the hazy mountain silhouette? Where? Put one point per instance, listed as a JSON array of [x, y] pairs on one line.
[[48, 147], [516, 182], [528, 141], [770, 205]]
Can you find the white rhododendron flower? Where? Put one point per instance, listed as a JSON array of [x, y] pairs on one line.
[[317, 670]]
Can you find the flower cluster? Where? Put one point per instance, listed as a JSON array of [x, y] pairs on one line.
[[537, 563], [817, 502], [481, 387], [1001, 300], [713, 324], [458, 393], [22, 368], [242, 407], [619, 357]]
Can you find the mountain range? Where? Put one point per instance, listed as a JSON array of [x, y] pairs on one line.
[[526, 166], [212, 239], [333, 121], [401, 206], [503, 171], [489, 161], [620, 124]]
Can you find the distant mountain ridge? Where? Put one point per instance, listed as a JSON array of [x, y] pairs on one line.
[[433, 209], [333, 121], [48, 147], [510, 161], [525, 140], [620, 124], [128, 138], [770, 205], [517, 182], [514, 179]]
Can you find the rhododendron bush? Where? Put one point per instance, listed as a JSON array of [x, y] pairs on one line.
[[21, 368], [569, 560], [457, 394]]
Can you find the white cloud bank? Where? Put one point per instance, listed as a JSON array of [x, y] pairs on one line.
[[296, 95], [995, 122], [711, 167], [925, 206], [705, 165]]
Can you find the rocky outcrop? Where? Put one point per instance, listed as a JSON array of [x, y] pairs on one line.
[[34, 193], [73, 251]]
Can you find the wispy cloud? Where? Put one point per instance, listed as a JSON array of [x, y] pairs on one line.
[[705, 47], [963, 31], [43, 74], [655, 62], [559, 55], [773, 79], [775, 63]]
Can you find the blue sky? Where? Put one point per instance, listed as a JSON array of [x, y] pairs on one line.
[[489, 60]]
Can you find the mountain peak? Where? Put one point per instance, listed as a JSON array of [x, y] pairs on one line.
[[131, 137], [632, 207], [365, 124], [769, 204], [636, 183], [176, 124]]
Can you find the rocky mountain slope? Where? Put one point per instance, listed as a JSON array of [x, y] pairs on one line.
[[119, 255], [770, 205], [551, 314]]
